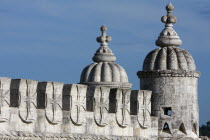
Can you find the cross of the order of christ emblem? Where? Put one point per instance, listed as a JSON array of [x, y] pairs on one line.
[[144, 108], [123, 107], [27, 107], [101, 105], [54, 104], [78, 104], [4, 104]]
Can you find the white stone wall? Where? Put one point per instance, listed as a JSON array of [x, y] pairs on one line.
[[37, 110]]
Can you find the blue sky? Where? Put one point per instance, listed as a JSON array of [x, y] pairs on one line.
[[53, 40]]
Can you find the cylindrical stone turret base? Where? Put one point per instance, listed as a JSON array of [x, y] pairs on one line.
[[174, 101]]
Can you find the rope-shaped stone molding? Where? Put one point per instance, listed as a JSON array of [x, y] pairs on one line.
[[41, 136]]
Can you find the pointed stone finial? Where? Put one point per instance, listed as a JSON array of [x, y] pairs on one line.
[[104, 53], [168, 37], [169, 7], [104, 39], [169, 18]]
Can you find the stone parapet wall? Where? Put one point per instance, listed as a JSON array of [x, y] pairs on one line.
[[52, 109]]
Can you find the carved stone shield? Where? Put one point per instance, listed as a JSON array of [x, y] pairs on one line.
[[123, 107], [144, 108], [54, 102], [4, 99], [27, 102], [78, 104], [101, 105]]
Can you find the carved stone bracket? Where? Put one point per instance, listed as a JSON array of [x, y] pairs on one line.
[[4, 99], [101, 105], [28, 100], [123, 107], [144, 108], [78, 104], [54, 102]]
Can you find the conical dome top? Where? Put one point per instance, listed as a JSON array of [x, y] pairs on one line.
[[104, 54], [104, 72], [168, 37]]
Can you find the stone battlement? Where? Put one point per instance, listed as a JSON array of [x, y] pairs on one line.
[[44, 109]]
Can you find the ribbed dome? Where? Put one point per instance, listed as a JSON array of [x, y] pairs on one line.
[[104, 72], [169, 58]]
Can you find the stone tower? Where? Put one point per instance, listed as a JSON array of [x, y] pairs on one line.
[[170, 73]]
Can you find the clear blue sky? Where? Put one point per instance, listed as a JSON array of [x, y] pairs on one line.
[[53, 40]]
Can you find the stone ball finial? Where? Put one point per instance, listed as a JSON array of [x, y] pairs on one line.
[[103, 39], [169, 18], [103, 28]]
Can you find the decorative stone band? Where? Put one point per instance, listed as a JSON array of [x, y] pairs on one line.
[[110, 84], [168, 73], [50, 136]]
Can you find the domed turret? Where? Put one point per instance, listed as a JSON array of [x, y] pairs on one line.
[[169, 56], [170, 73], [104, 72]]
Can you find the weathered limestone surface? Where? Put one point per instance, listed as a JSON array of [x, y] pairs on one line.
[[180, 95], [170, 73], [62, 111]]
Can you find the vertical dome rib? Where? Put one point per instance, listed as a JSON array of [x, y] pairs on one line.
[[87, 72], [153, 59], [115, 73], [146, 64], [157, 59], [123, 75], [190, 61], [181, 59], [161, 63], [106, 75], [83, 75], [172, 63], [95, 73]]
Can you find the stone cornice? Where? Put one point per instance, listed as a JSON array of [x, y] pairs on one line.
[[110, 84], [168, 73]]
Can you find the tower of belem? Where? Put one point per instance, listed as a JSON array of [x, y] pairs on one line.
[[102, 106], [170, 73]]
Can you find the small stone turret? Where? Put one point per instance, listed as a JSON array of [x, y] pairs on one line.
[[170, 73], [104, 72]]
